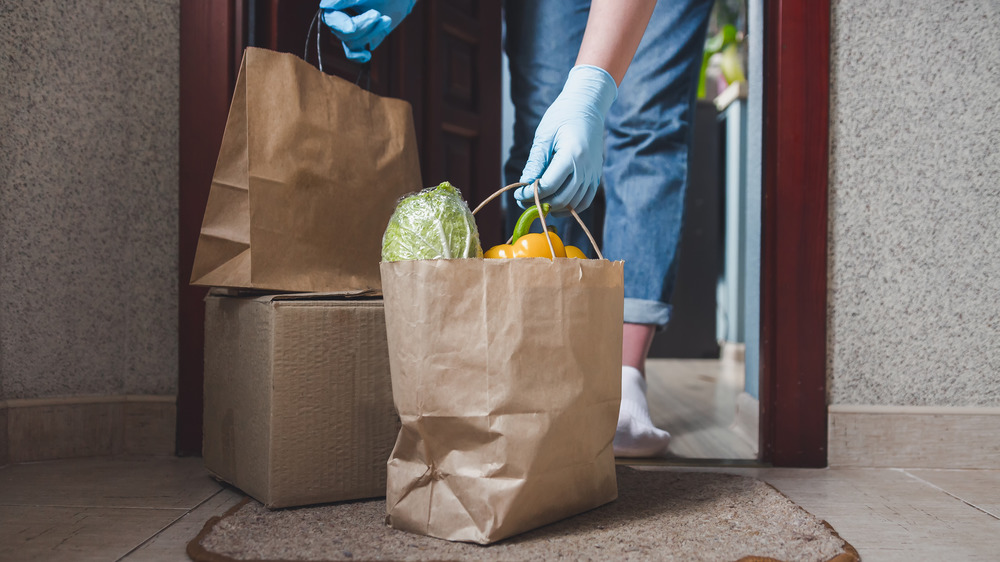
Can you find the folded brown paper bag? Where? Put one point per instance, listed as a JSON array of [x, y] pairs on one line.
[[506, 374], [309, 172]]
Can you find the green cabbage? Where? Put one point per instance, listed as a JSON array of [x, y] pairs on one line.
[[431, 224]]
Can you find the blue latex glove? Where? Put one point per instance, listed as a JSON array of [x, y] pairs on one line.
[[568, 150], [362, 24]]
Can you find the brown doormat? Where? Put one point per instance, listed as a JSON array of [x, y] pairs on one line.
[[658, 516]]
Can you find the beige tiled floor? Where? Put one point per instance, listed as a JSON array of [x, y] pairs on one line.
[[148, 509], [106, 509], [899, 514]]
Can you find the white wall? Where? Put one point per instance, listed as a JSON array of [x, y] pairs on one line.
[[88, 197], [915, 203]]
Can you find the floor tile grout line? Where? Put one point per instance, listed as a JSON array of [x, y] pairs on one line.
[[168, 525], [92, 506], [939, 488]]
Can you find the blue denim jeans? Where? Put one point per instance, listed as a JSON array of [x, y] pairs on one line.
[[647, 137]]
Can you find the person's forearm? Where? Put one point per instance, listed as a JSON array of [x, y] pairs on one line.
[[614, 29]]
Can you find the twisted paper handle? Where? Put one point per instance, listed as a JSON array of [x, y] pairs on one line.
[[318, 26], [541, 217]]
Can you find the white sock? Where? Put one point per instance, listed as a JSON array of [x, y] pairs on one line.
[[636, 435]]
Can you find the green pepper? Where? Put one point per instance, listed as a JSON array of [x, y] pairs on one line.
[[529, 215]]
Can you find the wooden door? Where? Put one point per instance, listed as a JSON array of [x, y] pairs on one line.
[[444, 59]]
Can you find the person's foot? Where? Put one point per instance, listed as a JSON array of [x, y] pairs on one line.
[[636, 435]]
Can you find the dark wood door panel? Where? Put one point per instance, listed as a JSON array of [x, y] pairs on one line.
[[461, 141], [458, 157], [287, 26]]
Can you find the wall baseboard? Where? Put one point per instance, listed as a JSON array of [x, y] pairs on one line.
[[88, 426], [733, 352], [4, 438], [913, 437]]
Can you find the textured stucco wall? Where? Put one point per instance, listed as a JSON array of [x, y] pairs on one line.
[[915, 203], [88, 197]]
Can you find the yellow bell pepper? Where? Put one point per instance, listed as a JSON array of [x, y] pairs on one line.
[[500, 251], [533, 244], [526, 244]]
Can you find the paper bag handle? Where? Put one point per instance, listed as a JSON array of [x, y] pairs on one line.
[[541, 216], [315, 23], [318, 25]]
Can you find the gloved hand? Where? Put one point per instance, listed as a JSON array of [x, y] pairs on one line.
[[568, 150], [363, 24]]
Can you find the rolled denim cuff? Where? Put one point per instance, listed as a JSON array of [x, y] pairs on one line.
[[639, 311]]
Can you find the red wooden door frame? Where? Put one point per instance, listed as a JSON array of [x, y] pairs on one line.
[[209, 37], [793, 286], [793, 409]]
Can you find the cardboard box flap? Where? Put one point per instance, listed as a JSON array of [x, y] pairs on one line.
[[360, 294], [267, 297]]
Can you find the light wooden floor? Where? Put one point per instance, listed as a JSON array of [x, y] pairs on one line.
[[148, 509], [695, 400]]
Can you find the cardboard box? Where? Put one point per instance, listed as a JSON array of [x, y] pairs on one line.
[[298, 399]]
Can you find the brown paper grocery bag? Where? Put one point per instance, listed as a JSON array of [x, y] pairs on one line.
[[309, 171], [506, 374]]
